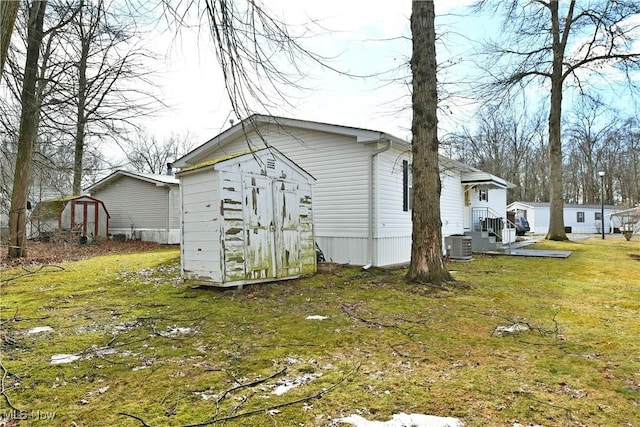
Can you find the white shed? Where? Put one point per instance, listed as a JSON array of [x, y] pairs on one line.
[[246, 218], [142, 206]]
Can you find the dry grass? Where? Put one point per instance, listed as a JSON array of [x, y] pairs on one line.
[[164, 354]]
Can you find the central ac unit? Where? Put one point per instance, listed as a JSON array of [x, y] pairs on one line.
[[459, 247]]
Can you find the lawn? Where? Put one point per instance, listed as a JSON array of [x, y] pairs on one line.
[[515, 340]]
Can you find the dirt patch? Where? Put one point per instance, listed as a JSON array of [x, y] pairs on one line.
[[39, 253]]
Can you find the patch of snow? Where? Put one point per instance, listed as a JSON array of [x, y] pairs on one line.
[[57, 359], [510, 329], [286, 385], [39, 330], [402, 420], [316, 317], [172, 332]]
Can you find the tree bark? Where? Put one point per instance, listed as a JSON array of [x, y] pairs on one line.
[[427, 264], [29, 120], [8, 15], [80, 117], [556, 194]]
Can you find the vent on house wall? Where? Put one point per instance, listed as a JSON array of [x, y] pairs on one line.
[[271, 163]]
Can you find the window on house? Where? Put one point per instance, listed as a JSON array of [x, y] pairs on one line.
[[580, 217], [483, 195], [598, 218], [467, 198], [407, 186]]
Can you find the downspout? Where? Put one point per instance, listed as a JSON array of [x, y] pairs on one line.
[[372, 211]]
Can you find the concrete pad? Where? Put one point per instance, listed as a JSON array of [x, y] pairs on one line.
[[532, 253]]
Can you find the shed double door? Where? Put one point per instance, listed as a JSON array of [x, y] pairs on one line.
[[272, 228], [84, 217]]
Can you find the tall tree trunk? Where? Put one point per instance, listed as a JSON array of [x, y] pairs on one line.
[[29, 120], [426, 250], [556, 219], [8, 15], [80, 118]]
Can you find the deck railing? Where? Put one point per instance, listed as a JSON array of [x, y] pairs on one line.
[[488, 220]]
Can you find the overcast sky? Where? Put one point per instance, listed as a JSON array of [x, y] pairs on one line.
[[363, 37]]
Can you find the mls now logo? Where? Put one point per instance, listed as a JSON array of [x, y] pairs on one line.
[[7, 417]]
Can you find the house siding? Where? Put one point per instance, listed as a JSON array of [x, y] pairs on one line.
[[336, 161], [451, 203], [141, 209], [392, 225]]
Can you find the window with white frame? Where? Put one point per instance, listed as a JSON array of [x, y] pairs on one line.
[[580, 216]]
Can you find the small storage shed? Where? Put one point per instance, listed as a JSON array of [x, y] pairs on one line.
[[246, 218], [84, 216]]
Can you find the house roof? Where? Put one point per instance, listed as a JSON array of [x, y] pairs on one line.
[[361, 135], [254, 122], [566, 205], [148, 177], [480, 179]]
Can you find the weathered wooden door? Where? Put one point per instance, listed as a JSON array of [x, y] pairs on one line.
[[287, 229], [259, 227]]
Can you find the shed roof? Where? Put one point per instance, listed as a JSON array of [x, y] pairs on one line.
[[252, 154], [52, 207]]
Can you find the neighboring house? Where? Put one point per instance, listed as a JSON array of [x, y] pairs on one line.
[[247, 218], [142, 206], [362, 197], [84, 216], [577, 218]]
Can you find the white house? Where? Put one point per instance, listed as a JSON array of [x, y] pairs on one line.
[[577, 218], [142, 206], [362, 196], [247, 218]]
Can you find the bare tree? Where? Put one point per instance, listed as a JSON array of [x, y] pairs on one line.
[[107, 85], [8, 14], [505, 142], [548, 40], [587, 140], [148, 154], [28, 130], [426, 249]]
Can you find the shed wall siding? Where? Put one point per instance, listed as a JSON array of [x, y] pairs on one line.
[[201, 241]]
